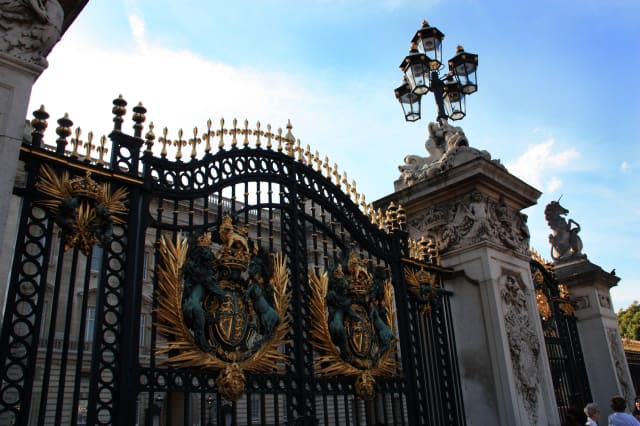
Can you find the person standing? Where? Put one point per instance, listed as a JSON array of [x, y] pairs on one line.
[[593, 414], [636, 408], [619, 417]]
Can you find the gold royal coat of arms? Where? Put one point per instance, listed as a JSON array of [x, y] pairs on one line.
[[222, 304], [353, 322]]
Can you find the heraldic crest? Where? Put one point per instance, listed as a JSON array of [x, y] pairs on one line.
[[84, 209], [222, 304], [353, 322]]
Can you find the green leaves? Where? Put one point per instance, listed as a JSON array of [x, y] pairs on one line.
[[629, 321]]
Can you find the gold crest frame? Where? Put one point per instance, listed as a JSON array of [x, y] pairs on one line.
[[170, 321], [63, 187], [328, 362]]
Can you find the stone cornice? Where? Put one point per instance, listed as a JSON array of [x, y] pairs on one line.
[[17, 64], [582, 272]]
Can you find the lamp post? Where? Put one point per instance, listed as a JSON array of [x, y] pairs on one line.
[[422, 68]]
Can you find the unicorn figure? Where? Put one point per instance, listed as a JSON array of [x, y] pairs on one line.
[[565, 242]]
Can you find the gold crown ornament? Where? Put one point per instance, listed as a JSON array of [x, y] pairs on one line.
[[85, 187], [360, 279], [204, 240], [234, 253]]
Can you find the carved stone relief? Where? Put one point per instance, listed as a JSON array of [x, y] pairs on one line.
[[30, 28], [581, 302], [524, 346], [471, 219], [604, 300], [620, 362]]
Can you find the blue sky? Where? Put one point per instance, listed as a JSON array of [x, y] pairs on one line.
[[557, 102]]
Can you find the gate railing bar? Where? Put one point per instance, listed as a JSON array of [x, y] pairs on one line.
[[67, 328], [81, 336], [52, 331]]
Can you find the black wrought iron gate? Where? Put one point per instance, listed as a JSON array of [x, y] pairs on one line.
[[346, 326], [568, 371]]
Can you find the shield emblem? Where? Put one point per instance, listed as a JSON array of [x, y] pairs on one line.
[[230, 319], [360, 332]]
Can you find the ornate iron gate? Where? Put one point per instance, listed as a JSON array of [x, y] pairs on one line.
[[568, 370], [252, 285]]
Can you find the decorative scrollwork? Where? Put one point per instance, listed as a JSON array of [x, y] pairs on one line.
[[353, 323], [84, 209], [216, 318]]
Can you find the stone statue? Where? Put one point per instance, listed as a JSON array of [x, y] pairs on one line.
[[30, 28], [447, 146], [565, 242]]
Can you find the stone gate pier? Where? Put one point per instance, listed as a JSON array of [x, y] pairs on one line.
[[607, 367], [471, 206]]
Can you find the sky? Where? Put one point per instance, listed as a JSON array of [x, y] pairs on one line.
[[556, 99]]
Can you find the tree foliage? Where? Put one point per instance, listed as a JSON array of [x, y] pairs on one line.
[[629, 321]]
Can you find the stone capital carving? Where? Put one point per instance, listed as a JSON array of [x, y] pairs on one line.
[[524, 346], [470, 219], [30, 28]]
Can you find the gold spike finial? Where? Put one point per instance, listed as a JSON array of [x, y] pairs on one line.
[[164, 141], [88, 146], [207, 137], [194, 142], [257, 133], [269, 135], [179, 143], [221, 133], [149, 137], [102, 150], [233, 132], [279, 140], [245, 132]]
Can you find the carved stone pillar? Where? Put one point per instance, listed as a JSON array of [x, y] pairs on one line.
[[16, 79], [602, 348], [472, 209], [29, 30]]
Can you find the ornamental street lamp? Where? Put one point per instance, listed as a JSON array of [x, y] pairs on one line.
[[421, 70]]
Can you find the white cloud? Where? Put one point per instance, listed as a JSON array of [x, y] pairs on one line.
[[625, 293], [540, 165], [625, 167], [182, 89], [179, 88], [137, 29], [554, 184]]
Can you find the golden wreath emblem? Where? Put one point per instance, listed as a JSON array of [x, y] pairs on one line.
[[353, 323], [222, 305]]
